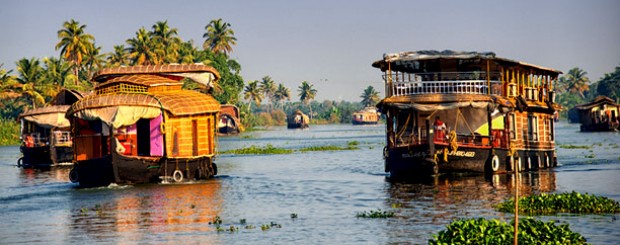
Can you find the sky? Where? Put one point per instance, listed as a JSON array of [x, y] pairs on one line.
[[332, 43]]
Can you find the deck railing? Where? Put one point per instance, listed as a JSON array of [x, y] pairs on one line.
[[441, 83]]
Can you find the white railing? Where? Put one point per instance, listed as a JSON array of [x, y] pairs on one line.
[[398, 84], [443, 87]]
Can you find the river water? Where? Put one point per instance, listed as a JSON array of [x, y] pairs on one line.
[[325, 190]]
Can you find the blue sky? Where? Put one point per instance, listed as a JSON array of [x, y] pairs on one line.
[[331, 43]]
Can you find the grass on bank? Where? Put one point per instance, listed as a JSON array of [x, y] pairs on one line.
[[574, 202], [9, 132]]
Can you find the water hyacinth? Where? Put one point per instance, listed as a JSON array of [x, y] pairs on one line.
[[574, 202], [375, 214], [483, 231]]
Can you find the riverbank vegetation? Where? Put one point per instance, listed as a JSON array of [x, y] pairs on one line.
[[573, 202], [8, 132], [494, 231]]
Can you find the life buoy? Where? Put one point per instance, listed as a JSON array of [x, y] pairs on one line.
[[177, 176], [73, 176], [495, 163], [19, 161]]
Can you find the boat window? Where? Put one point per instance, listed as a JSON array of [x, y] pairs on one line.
[[533, 128], [513, 126], [194, 137]]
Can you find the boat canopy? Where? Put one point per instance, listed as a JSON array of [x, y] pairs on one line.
[[199, 73], [438, 106], [598, 101], [47, 117], [124, 109], [406, 60]]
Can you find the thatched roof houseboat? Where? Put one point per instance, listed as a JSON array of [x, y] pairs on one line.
[[229, 121], [451, 111], [45, 133], [297, 119], [141, 126], [598, 115], [368, 115]]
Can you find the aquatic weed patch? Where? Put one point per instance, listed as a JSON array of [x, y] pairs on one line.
[[571, 146], [573, 202], [256, 150], [375, 214], [351, 145], [483, 231]]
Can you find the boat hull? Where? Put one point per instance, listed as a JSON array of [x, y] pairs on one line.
[[357, 122], [140, 170], [38, 156], [415, 161]]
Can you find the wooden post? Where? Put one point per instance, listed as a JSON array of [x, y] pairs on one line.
[[516, 239], [431, 136], [489, 76]]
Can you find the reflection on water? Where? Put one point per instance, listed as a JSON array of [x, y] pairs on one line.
[[134, 213], [431, 205]]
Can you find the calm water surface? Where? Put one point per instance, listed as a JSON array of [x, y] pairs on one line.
[[325, 190]]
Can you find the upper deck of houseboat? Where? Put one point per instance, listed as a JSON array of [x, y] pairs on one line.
[[441, 76]]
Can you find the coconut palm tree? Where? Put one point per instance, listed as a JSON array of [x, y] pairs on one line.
[[30, 81], [142, 49], [577, 82], [306, 94], [370, 96], [74, 44], [219, 38], [57, 72], [166, 40], [253, 93], [267, 85], [93, 61], [282, 93], [117, 58]]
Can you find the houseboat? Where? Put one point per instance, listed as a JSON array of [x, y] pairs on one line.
[[368, 115], [229, 122], [298, 120], [450, 111], [598, 115], [140, 126], [45, 133]]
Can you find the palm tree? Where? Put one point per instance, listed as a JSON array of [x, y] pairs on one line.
[[57, 72], [268, 87], [282, 93], [166, 40], [253, 93], [74, 44], [118, 58], [30, 80], [577, 82], [141, 49], [219, 38], [306, 94], [94, 61], [370, 96]]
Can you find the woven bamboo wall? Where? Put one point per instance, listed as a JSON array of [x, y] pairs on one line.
[[183, 126]]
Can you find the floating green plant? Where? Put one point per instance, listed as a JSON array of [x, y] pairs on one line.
[[216, 221], [268, 149], [483, 231], [573, 202], [375, 214], [265, 227], [249, 227], [242, 221], [571, 146], [293, 216]]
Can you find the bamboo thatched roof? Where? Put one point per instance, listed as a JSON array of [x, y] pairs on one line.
[[599, 100], [45, 110], [198, 72], [180, 102], [148, 80]]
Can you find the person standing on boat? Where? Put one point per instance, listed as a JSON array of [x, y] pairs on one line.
[[440, 129]]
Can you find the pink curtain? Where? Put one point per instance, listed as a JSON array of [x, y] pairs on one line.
[[157, 138]]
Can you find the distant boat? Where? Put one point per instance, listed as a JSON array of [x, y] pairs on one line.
[[368, 115], [142, 127], [298, 120], [45, 132], [451, 111], [229, 120], [601, 114]]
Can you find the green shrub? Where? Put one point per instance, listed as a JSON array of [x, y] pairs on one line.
[[483, 231], [9, 132], [573, 202]]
